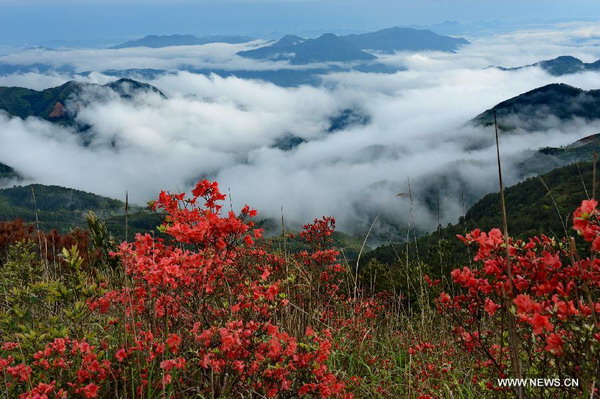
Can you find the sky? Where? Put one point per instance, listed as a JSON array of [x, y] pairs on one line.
[[33, 21]]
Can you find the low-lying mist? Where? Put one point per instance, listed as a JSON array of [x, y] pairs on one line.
[[412, 125]]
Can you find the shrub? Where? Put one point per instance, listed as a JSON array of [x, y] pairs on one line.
[[533, 313], [198, 314]]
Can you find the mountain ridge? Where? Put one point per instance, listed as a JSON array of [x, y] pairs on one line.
[[560, 66], [160, 41], [528, 110], [325, 48], [8, 174], [52, 104], [538, 205], [405, 39], [353, 47], [64, 209]]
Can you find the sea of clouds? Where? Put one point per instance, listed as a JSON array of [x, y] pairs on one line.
[[226, 128]]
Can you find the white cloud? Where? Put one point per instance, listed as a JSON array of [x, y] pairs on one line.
[[225, 129], [209, 56]]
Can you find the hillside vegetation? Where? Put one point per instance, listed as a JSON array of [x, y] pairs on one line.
[[65, 209], [538, 205], [210, 310], [60, 104], [531, 110], [7, 173]]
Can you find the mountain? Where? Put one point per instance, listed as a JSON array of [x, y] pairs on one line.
[[549, 158], [9, 69], [63, 209], [128, 88], [530, 110], [60, 104], [277, 49], [537, 205], [581, 150], [530, 206], [325, 48], [521, 166], [345, 119], [288, 40], [47, 104], [57, 207], [563, 65], [348, 118], [566, 65], [155, 41], [404, 39], [329, 47], [8, 174], [56, 198]]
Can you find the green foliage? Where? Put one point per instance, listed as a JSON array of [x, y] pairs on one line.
[[53, 104], [41, 300], [8, 173], [142, 221], [349, 246], [64, 209], [102, 241], [56, 198], [531, 207], [20, 268], [23, 102], [560, 100]]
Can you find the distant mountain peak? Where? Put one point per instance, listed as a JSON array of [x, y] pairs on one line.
[[405, 39], [326, 48], [561, 65], [587, 140], [126, 87], [552, 88], [566, 58], [158, 41], [52, 104], [289, 40], [332, 48], [328, 36], [530, 111], [8, 174]]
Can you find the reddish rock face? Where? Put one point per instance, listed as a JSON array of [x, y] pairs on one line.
[[58, 111]]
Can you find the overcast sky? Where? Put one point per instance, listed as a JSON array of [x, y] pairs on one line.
[[30, 21]]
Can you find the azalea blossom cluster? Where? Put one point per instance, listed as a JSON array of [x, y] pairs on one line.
[[430, 364], [80, 367], [549, 292], [203, 308], [198, 313], [211, 309]]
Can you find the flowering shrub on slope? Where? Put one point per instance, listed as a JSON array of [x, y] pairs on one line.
[[547, 291], [195, 317], [211, 312]]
